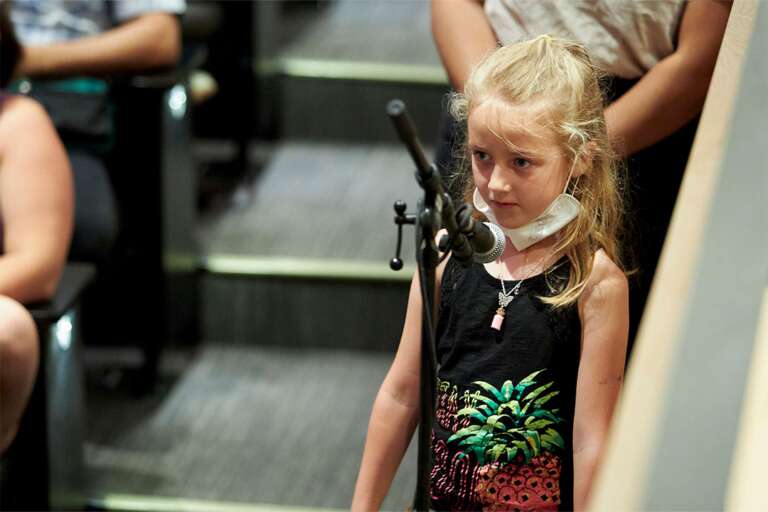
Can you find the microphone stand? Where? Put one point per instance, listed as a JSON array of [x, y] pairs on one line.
[[434, 211]]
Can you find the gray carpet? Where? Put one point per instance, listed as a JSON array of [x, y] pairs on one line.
[[319, 200], [381, 31], [242, 424]]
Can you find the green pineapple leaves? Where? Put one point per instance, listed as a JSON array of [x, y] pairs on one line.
[[552, 438], [492, 390], [508, 422], [541, 401]]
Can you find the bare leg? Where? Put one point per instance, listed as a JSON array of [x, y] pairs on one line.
[[18, 366]]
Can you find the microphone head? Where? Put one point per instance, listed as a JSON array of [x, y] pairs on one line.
[[500, 240]]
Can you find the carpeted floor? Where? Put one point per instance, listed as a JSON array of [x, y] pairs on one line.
[[382, 31], [241, 424], [319, 200]]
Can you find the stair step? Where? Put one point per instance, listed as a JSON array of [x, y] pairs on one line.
[[319, 313], [301, 259], [354, 110], [377, 32], [276, 266], [336, 76], [318, 201]]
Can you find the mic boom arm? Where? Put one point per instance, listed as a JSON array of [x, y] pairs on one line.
[[444, 213]]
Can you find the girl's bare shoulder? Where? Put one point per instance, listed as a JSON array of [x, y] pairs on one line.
[[606, 282]]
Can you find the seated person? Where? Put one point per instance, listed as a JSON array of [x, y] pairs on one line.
[[36, 208], [68, 47]]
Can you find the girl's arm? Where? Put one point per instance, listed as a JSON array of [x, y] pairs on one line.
[[674, 90], [463, 37], [604, 313], [36, 202], [395, 412]]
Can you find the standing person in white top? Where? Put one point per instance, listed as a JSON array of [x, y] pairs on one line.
[[660, 55]]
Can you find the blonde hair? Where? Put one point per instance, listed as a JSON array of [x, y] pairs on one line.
[[560, 73]]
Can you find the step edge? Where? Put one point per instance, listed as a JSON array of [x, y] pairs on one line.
[[330, 69], [143, 503], [283, 266]]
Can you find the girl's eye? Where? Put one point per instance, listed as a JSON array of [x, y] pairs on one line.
[[521, 163], [481, 156]]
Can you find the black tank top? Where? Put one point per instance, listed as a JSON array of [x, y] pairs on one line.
[[502, 436]]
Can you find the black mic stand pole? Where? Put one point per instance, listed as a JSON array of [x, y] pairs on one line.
[[433, 212]]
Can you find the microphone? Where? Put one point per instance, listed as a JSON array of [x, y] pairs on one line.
[[481, 242], [488, 241]]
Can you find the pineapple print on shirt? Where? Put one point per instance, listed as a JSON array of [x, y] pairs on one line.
[[503, 451]]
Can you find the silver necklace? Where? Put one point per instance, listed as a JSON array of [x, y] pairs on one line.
[[506, 297]]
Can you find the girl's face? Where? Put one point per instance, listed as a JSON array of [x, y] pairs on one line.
[[517, 164]]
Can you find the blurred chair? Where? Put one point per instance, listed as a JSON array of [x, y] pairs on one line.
[[148, 291], [43, 468]]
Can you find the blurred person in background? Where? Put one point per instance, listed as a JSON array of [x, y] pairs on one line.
[[36, 206], [68, 48], [660, 57]]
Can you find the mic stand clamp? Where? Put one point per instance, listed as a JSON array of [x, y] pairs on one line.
[[400, 218]]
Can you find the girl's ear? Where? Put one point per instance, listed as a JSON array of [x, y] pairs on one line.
[[584, 162]]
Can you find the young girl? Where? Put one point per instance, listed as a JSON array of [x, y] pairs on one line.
[[531, 348]]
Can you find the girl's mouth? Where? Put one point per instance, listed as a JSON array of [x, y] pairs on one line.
[[502, 205]]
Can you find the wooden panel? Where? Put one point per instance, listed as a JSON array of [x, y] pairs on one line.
[[624, 476], [748, 473]]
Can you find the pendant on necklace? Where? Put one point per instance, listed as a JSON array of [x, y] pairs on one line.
[[504, 300], [498, 319]]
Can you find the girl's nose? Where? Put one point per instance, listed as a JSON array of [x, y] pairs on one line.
[[499, 180]]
